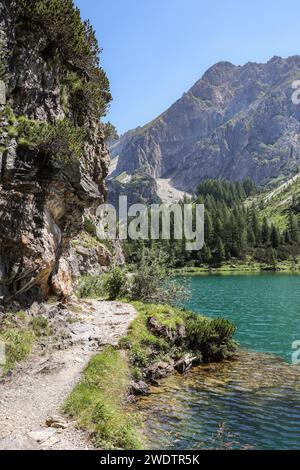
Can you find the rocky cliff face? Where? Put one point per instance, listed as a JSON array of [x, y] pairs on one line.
[[236, 122], [43, 199], [140, 189]]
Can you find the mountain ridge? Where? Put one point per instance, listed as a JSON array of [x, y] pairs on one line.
[[234, 122]]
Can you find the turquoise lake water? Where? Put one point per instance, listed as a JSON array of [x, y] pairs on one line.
[[265, 308], [251, 403]]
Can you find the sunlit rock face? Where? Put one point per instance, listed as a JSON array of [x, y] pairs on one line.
[[235, 122], [42, 203]]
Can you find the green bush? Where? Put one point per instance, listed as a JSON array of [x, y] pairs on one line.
[[61, 141], [111, 285], [213, 338], [90, 227], [91, 287], [209, 340], [115, 283], [151, 282]]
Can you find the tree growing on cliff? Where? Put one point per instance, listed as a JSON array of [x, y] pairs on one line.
[[110, 131], [76, 42], [60, 142]]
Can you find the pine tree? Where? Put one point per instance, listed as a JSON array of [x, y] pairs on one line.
[[220, 253], [294, 228], [256, 227], [275, 237], [265, 232], [206, 254], [287, 237], [208, 229]]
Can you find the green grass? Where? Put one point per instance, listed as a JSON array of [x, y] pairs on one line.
[[19, 332], [276, 208], [12, 132], [18, 346], [40, 326], [92, 287], [165, 314], [86, 240], [97, 402], [239, 267], [122, 177], [146, 348]]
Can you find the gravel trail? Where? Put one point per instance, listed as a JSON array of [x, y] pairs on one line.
[[37, 390]]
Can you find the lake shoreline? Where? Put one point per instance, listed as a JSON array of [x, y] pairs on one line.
[[247, 379], [236, 269]]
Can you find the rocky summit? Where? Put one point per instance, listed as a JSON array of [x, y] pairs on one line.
[[235, 122]]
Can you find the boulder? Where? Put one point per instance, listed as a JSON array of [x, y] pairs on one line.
[[139, 388], [185, 363], [159, 370], [176, 335]]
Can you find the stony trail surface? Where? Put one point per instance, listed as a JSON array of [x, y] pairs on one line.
[[38, 388]]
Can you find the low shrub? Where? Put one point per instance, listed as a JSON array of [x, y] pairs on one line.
[[91, 287], [210, 340], [115, 283], [61, 142], [212, 337], [109, 285], [151, 282]]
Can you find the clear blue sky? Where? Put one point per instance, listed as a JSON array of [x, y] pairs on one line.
[[154, 50]]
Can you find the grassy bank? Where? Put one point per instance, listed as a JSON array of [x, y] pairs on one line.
[[165, 333], [289, 267], [160, 335], [19, 333], [98, 402]]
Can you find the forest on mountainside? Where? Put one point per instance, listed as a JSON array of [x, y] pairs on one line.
[[236, 229]]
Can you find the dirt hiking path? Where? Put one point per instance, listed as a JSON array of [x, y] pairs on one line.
[[37, 390]]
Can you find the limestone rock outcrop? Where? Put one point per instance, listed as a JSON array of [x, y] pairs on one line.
[[42, 201]]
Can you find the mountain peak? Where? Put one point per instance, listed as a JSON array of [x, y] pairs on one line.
[[219, 73], [236, 122]]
